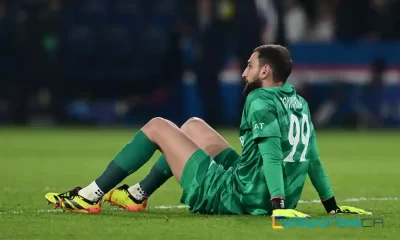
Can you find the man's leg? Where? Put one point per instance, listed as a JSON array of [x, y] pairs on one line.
[[211, 142], [204, 136], [160, 134]]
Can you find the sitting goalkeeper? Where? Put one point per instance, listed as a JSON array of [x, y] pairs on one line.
[[279, 150]]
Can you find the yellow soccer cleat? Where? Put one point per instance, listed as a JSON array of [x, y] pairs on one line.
[[71, 201], [122, 198]]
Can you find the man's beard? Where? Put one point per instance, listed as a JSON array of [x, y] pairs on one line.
[[250, 86]]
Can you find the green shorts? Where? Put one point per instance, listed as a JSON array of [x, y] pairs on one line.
[[227, 158], [207, 183]]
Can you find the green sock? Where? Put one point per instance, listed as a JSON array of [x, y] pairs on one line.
[[159, 174], [162, 166], [136, 153], [131, 157]]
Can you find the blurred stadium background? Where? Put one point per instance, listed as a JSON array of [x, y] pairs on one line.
[[106, 63], [121, 62]]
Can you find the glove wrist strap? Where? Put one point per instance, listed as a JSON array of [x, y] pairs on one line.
[[330, 204], [277, 203]]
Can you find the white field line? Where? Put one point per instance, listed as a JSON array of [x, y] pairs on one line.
[[183, 206], [356, 199]]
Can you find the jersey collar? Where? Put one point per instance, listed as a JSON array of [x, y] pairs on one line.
[[287, 87]]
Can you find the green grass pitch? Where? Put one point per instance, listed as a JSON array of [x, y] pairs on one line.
[[35, 161]]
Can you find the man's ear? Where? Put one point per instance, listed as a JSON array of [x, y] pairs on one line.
[[266, 69]]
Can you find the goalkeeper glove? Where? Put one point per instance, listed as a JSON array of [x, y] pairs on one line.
[[331, 207], [278, 205]]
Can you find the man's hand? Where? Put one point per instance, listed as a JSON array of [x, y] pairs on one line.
[[350, 210], [278, 210], [331, 207]]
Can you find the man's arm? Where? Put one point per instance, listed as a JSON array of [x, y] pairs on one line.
[[262, 117], [318, 176], [320, 181], [267, 134], [271, 152]]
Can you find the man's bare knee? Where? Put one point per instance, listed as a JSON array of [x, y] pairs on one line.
[[194, 120], [204, 136], [190, 126], [155, 127]]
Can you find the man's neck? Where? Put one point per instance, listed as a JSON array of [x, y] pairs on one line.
[[274, 84]]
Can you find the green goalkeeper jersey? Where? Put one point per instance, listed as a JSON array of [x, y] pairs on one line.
[[275, 113]]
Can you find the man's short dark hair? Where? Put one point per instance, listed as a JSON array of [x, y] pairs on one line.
[[279, 59]]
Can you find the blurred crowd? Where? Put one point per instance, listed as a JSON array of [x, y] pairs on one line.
[[139, 49], [329, 20]]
